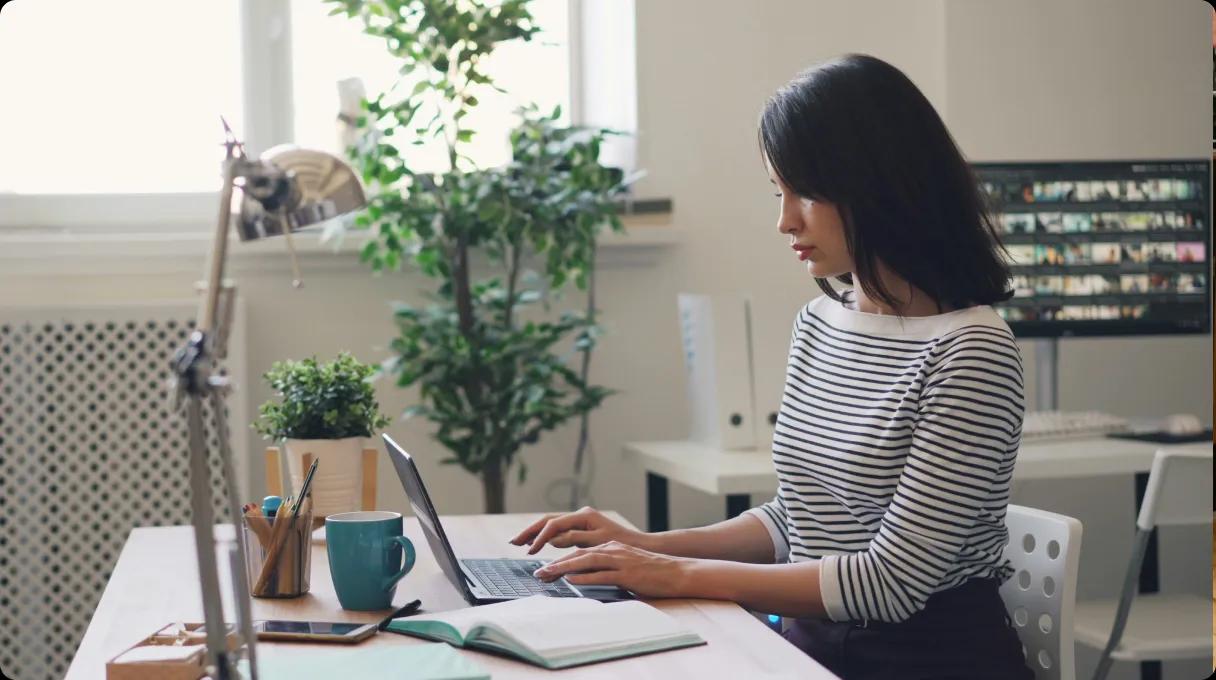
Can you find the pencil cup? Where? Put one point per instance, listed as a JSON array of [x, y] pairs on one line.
[[281, 572]]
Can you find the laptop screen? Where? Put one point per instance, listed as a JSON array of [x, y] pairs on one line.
[[424, 510]]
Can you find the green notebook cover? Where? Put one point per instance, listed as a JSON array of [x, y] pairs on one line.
[[554, 632], [435, 661]]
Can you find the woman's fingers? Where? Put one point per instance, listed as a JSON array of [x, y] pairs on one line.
[[610, 577], [567, 556], [573, 539], [555, 526], [530, 532], [587, 561], [611, 547]]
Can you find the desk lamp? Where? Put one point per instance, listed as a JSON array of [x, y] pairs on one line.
[[284, 191]]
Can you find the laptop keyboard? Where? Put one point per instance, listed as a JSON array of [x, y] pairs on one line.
[[513, 578]]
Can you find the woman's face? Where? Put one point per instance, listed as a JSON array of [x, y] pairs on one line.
[[816, 232]]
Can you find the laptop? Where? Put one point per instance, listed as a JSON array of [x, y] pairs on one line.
[[483, 581]]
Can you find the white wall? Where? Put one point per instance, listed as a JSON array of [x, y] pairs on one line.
[[1046, 79], [1050, 80]]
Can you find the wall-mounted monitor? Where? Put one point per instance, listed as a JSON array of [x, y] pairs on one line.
[[1104, 248]]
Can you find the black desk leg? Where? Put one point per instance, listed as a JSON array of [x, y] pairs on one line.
[[1149, 575], [737, 504], [657, 514]]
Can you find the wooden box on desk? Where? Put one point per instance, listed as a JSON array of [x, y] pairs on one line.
[[190, 669]]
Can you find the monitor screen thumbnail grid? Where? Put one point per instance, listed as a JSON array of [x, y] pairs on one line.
[[1104, 248]]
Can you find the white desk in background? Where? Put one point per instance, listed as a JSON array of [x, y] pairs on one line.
[[739, 474]]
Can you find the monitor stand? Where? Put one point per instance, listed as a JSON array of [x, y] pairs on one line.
[[1047, 374]]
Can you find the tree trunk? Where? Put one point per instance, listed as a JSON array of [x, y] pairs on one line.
[[494, 484]]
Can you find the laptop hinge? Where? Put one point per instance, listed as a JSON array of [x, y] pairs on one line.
[[469, 586]]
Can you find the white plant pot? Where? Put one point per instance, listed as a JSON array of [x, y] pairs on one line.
[[338, 482]]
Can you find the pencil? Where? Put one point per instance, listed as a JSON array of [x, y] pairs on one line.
[[282, 527], [257, 524]]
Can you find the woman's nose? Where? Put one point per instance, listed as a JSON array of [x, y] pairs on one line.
[[785, 225]]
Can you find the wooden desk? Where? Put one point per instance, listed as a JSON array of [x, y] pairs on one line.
[[156, 582]]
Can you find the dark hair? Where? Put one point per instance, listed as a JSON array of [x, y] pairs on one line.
[[856, 132]]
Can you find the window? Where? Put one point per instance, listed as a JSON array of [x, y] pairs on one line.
[[328, 49], [116, 97], [117, 127]]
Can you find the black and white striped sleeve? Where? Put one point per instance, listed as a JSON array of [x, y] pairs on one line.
[[970, 408], [775, 517]]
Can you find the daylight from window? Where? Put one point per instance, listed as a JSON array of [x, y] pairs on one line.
[[135, 109]]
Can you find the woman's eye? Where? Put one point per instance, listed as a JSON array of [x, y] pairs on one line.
[[778, 194]]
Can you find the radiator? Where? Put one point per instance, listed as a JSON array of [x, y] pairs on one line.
[[90, 447]]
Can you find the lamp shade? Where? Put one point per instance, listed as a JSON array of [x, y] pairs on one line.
[[291, 188]]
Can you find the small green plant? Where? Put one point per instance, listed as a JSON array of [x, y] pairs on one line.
[[332, 400]]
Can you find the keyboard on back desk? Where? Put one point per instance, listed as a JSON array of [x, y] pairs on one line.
[[513, 578], [1046, 426]]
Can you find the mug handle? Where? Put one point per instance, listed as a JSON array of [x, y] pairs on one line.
[[408, 547]]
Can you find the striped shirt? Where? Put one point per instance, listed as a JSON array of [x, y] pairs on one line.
[[894, 450]]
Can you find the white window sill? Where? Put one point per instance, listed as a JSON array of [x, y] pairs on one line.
[[49, 250]]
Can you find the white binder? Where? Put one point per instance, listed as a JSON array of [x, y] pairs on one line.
[[717, 361], [771, 325]]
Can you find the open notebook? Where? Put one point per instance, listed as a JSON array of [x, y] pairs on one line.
[[554, 632]]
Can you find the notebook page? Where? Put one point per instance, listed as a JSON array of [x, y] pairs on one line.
[[606, 626], [504, 614]]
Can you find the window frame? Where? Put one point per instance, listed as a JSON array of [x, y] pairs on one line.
[[266, 83]]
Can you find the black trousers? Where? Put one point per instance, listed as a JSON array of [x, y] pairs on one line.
[[961, 633]]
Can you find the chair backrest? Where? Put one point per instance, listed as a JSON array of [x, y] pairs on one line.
[[1179, 488], [1045, 549]]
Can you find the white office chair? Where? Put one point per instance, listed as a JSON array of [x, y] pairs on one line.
[[1045, 549], [1161, 627]]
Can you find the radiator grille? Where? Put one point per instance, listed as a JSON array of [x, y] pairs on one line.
[[90, 447]]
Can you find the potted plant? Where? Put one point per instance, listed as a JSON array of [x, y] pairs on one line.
[[326, 410], [493, 366]]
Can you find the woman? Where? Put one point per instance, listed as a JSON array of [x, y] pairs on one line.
[[901, 416]]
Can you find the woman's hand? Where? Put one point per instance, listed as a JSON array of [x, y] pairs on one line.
[[582, 528], [640, 571]]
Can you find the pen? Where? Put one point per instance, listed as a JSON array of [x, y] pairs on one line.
[[408, 609], [305, 488]]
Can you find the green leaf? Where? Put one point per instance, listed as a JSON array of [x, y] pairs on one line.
[[316, 400], [414, 411], [492, 365]]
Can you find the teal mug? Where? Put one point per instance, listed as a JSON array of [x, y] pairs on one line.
[[365, 557]]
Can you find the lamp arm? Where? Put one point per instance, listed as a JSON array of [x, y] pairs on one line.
[[219, 250], [192, 367], [272, 194]]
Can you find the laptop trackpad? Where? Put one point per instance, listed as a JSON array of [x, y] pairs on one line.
[[605, 593]]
